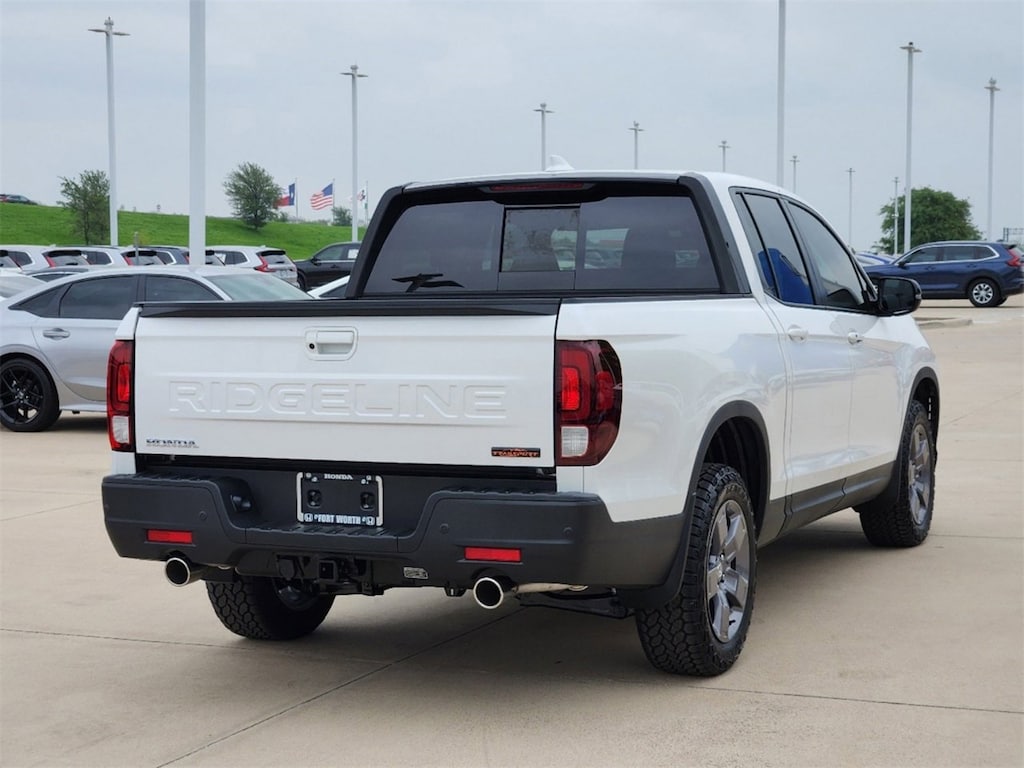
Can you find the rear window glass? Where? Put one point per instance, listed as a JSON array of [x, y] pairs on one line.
[[275, 257], [256, 287], [651, 242]]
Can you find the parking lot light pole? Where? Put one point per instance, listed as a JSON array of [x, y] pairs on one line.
[[907, 189], [636, 144], [355, 74], [895, 216], [794, 161], [724, 147], [544, 112], [991, 88], [108, 30]]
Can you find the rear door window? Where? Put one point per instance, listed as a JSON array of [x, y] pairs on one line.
[[163, 288], [104, 298]]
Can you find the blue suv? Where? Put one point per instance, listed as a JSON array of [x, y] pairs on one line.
[[984, 272]]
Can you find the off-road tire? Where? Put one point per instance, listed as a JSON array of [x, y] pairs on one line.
[[902, 515], [692, 634], [262, 608], [28, 399]]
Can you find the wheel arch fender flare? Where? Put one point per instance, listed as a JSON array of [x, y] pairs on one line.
[[735, 435], [925, 389], [26, 353]]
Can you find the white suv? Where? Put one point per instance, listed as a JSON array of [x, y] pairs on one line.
[[259, 257], [30, 257]]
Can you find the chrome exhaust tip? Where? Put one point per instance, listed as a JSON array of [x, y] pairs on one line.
[[490, 592], [180, 572]]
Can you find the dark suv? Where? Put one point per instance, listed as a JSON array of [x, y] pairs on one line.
[[329, 263], [984, 272]]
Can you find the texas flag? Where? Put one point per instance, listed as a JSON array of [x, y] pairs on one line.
[[286, 200]]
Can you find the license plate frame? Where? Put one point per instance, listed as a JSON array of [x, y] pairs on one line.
[[339, 499]]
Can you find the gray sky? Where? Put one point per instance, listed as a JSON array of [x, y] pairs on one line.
[[452, 87]]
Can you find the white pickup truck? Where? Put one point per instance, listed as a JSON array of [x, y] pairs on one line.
[[593, 391]]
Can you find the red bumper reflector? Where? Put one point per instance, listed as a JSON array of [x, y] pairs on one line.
[[169, 537], [494, 554]]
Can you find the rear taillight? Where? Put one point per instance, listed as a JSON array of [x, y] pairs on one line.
[[49, 262], [119, 396], [263, 267], [588, 401], [1014, 258]]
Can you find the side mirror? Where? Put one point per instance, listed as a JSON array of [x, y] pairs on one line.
[[897, 295], [315, 260]]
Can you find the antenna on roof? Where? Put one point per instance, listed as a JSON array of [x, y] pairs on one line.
[[558, 163]]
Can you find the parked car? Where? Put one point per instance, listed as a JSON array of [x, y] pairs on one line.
[[869, 259], [332, 290], [41, 256], [16, 199], [55, 338], [329, 263], [986, 273], [56, 273], [13, 282], [96, 255], [259, 257]]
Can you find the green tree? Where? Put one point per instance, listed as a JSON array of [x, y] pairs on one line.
[[935, 215], [252, 192], [88, 200], [342, 217]]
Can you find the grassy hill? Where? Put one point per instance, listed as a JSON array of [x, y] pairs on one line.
[[46, 225]]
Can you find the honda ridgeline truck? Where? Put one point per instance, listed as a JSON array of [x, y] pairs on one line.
[[593, 391]]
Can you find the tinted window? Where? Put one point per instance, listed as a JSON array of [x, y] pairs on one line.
[[448, 247], [840, 279], [105, 298], [646, 242], [20, 257], [160, 288], [924, 256], [330, 253], [966, 253], [97, 257], [256, 287], [232, 257], [275, 257], [778, 259]]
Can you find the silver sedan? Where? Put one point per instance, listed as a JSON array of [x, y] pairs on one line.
[[54, 339]]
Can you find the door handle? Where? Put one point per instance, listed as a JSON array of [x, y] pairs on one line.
[[796, 333], [56, 333], [331, 343]]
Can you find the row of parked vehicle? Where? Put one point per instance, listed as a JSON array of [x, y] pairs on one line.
[[329, 263]]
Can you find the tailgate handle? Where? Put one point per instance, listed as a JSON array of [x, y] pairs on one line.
[[333, 343]]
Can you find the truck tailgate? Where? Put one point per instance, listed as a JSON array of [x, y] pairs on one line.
[[356, 384]]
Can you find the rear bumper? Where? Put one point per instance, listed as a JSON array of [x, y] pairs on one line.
[[562, 537]]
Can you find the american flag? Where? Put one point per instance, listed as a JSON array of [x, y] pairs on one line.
[[323, 199]]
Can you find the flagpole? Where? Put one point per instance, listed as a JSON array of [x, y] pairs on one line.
[[366, 201], [295, 196]]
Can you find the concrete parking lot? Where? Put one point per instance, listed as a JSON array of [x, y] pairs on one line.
[[856, 656]]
